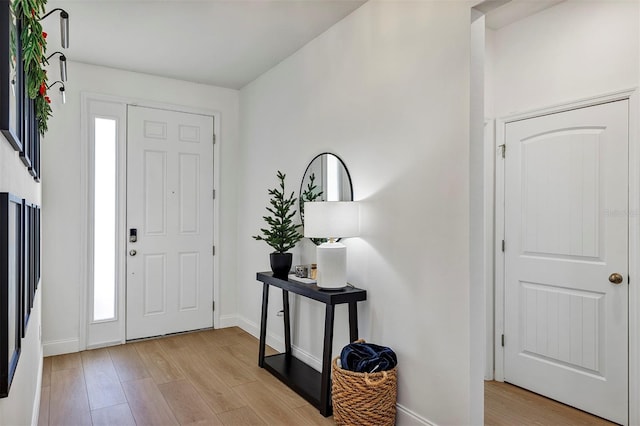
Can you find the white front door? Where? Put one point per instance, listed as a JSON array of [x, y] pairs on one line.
[[170, 207], [566, 233]]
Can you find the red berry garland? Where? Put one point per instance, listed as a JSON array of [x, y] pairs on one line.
[[34, 47]]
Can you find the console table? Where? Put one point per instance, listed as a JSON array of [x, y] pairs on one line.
[[313, 386]]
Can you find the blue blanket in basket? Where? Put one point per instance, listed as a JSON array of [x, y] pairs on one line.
[[367, 358]]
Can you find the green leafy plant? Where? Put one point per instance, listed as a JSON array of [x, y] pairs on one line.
[[34, 47], [310, 194], [282, 234]]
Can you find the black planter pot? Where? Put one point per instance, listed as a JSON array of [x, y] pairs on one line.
[[281, 264]]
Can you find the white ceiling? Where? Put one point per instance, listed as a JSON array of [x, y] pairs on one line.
[[515, 10], [222, 43], [226, 43]]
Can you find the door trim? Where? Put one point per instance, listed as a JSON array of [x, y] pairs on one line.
[[85, 98], [634, 232], [103, 328]]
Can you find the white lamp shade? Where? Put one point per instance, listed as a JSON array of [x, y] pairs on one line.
[[331, 219]]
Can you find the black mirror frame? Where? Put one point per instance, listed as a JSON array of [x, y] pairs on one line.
[[319, 241]]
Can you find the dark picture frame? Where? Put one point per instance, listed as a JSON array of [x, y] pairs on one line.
[[31, 260], [27, 148], [18, 120], [37, 248], [34, 142], [12, 85], [11, 287], [30, 154], [26, 266]]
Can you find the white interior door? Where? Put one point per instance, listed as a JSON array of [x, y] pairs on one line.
[[566, 232], [170, 204]]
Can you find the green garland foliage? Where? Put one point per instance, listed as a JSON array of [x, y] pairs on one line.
[[34, 48], [282, 234]]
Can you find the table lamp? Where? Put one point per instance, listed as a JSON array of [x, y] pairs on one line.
[[332, 220]]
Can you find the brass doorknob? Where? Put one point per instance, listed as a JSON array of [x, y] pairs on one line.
[[615, 278]]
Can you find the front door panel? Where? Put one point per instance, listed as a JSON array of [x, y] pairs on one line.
[[170, 205]]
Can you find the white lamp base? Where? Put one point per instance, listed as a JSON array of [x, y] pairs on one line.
[[332, 265]]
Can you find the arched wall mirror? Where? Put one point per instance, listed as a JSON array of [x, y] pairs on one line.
[[326, 179]]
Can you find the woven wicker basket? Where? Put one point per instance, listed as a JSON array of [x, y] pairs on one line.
[[363, 398]]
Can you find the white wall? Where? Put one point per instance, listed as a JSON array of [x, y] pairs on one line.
[[384, 90], [489, 72], [62, 189], [14, 177], [21, 406], [478, 237], [565, 53]]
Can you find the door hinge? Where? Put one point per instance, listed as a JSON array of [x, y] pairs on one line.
[[213, 305], [214, 194], [213, 250], [503, 150], [503, 246], [502, 340], [214, 138]]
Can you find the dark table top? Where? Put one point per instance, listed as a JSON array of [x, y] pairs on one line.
[[312, 291]]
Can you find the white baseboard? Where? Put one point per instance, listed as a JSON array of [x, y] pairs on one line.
[[406, 417], [59, 347], [277, 342], [273, 340], [227, 321], [307, 358], [105, 344]]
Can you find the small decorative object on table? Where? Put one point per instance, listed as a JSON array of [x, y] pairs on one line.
[[367, 395], [282, 233], [302, 271], [313, 272], [301, 280]]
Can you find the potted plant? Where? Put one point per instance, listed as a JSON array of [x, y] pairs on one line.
[[282, 234]]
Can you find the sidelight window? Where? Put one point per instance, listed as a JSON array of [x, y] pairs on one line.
[[104, 219]]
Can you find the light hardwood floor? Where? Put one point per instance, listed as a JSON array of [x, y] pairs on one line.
[[206, 378], [508, 405], [212, 378]]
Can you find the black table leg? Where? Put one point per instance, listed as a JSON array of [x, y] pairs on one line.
[[325, 381], [287, 323], [263, 324], [353, 321]]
